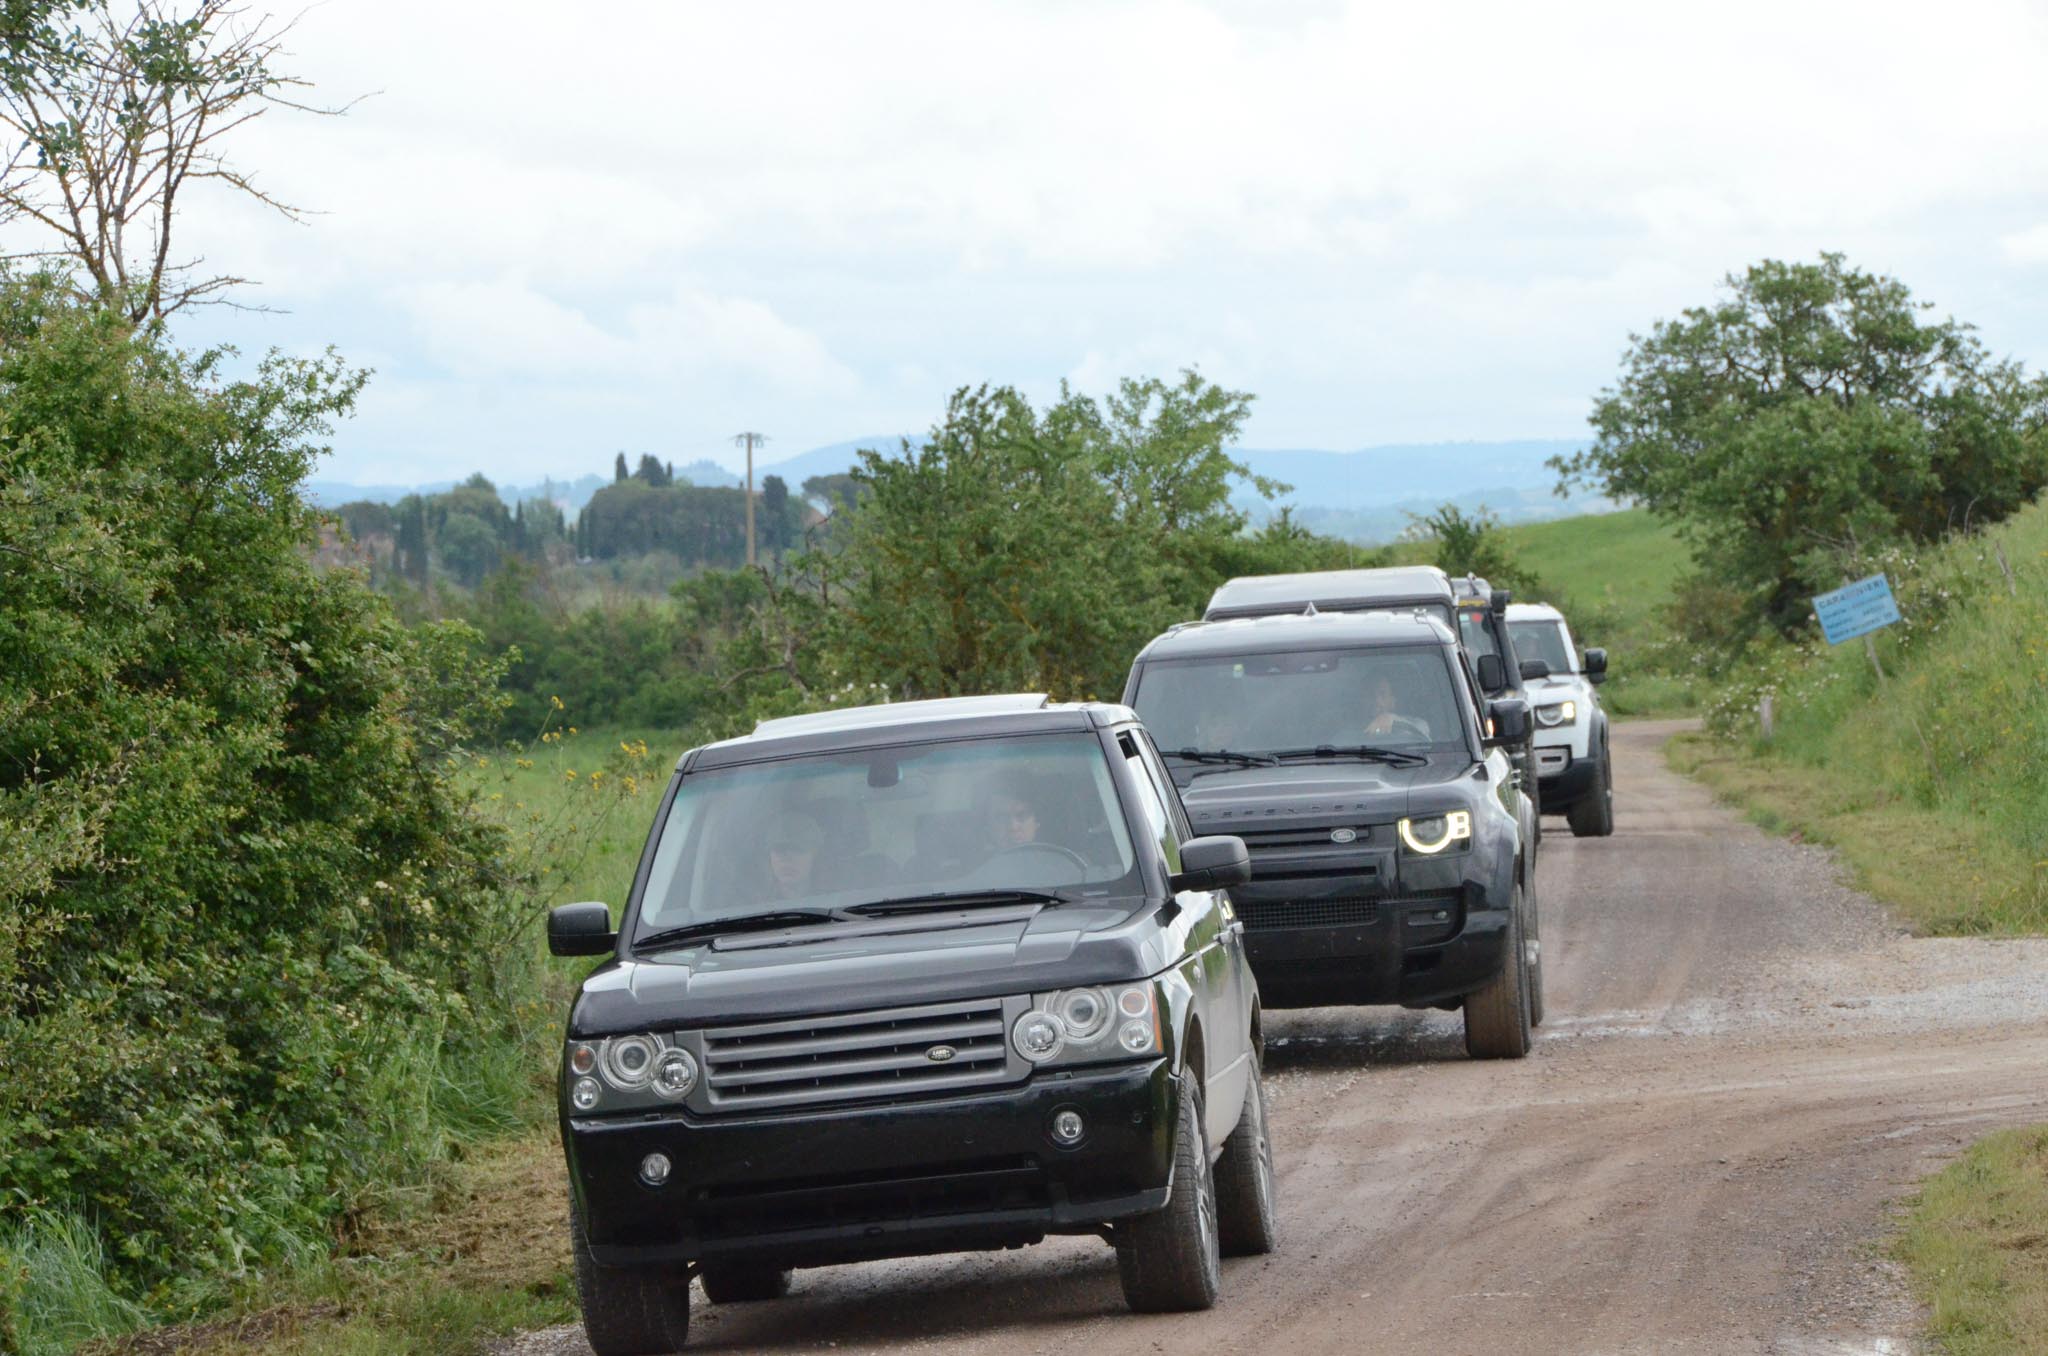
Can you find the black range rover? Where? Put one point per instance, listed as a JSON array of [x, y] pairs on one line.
[[1388, 832], [928, 977]]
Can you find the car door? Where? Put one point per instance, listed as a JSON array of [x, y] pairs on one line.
[[1219, 946]]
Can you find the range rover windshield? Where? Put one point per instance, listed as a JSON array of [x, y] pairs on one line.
[[1393, 698], [819, 834]]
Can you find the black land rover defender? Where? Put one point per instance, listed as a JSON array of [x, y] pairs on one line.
[[1472, 608], [930, 977], [1388, 834]]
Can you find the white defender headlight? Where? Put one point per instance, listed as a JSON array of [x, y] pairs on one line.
[[1082, 1026], [1557, 713], [1434, 833]]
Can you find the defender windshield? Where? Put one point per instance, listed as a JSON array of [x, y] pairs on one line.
[[1542, 640], [834, 830], [1475, 632], [1397, 697]]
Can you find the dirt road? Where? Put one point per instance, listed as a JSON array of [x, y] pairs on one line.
[[1745, 1066]]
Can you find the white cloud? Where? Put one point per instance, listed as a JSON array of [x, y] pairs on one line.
[[653, 224], [2027, 247]]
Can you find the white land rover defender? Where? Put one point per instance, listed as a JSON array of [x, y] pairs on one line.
[[1572, 763]]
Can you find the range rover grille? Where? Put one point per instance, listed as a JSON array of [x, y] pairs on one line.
[[887, 1052]]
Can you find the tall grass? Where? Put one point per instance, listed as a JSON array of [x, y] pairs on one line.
[[53, 1291], [1932, 776]]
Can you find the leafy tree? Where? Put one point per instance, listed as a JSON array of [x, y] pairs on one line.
[[834, 492], [775, 513], [1471, 543], [619, 472], [650, 472], [1811, 415], [468, 546], [243, 891]]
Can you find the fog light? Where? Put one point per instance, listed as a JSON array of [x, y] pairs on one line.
[[1067, 1127], [583, 1095], [654, 1169]]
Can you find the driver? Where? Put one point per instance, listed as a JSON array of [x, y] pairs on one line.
[[792, 855], [1012, 821], [1387, 718]]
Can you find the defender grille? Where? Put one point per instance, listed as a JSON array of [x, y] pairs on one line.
[[883, 1053], [1308, 913], [1270, 916]]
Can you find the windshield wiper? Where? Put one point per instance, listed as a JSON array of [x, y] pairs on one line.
[[1221, 756], [1370, 752], [745, 922], [944, 899]]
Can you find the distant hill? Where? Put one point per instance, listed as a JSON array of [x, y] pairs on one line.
[[1362, 496]]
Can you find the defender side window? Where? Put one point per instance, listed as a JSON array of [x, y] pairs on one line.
[[1151, 803]]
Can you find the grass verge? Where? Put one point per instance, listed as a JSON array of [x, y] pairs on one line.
[[1939, 870], [1976, 1247]]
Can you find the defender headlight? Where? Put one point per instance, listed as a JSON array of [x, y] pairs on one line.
[[1557, 713], [1086, 1026], [1434, 833]]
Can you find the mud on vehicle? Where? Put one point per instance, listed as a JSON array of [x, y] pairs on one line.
[[1573, 764], [922, 978], [1388, 832]]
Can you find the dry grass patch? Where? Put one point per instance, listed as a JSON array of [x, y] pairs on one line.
[[482, 1252]]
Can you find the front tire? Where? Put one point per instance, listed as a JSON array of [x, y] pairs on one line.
[[1497, 1024], [1593, 815], [1170, 1261], [742, 1282], [1246, 1225], [629, 1311]]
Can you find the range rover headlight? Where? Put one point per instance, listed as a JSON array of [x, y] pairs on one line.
[[636, 1072], [1556, 714], [628, 1062], [1435, 833], [1085, 1026]]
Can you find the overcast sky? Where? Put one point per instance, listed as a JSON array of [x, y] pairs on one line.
[[555, 237]]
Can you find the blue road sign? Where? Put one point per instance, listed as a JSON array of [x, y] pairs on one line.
[[1856, 609]]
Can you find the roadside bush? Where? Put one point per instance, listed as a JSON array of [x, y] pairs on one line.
[[242, 878]]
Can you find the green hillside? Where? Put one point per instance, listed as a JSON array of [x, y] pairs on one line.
[[1613, 574], [1930, 779]]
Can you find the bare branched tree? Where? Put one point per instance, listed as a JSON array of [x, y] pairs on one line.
[[117, 109]]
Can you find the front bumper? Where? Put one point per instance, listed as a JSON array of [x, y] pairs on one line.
[[1563, 779], [1366, 961], [845, 1184]]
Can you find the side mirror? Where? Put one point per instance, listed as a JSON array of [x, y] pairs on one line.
[[1493, 674], [581, 930], [1510, 717], [1596, 666], [1499, 600], [1535, 668], [1212, 863]]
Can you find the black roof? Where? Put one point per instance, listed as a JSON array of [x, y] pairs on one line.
[[1292, 631], [1262, 595], [906, 722]]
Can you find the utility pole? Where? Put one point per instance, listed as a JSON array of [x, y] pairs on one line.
[[748, 441]]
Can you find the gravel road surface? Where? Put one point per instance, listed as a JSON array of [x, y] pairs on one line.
[[1745, 1067]]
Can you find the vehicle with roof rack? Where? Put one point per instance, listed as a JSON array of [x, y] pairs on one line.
[[1573, 765], [1474, 610], [1390, 838], [927, 977]]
